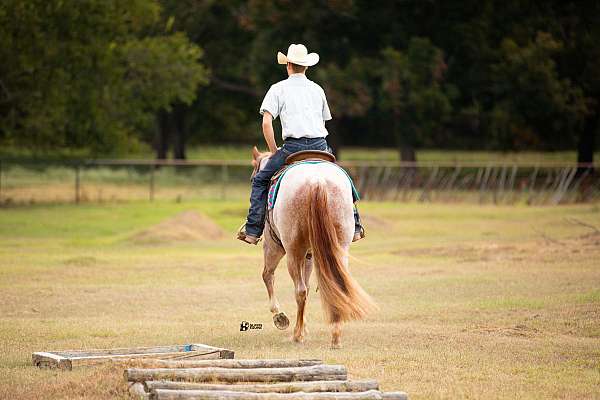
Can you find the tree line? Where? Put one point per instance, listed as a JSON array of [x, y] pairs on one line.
[[108, 75]]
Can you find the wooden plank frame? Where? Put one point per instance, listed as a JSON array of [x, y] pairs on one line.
[[68, 359]]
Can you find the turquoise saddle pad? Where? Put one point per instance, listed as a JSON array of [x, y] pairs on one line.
[[274, 188]]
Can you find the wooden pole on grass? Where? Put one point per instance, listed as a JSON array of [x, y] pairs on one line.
[[231, 375], [287, 387], [232, 363], [166, 394]]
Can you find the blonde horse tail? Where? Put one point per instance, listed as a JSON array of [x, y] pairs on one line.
[[342, 297]]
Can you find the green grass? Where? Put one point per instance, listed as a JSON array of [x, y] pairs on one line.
[[243, 152], [476, 301], [392, 154]]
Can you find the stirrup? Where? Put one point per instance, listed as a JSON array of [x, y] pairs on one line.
[[241, 235], [359, 235]]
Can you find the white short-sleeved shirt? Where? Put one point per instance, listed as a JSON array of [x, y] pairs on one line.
[[302, 105]]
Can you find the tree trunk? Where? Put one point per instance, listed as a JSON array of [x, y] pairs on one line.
[[407, 153], [587, 142], [404, 140], [161, 142], [179, 133], [585, 155]]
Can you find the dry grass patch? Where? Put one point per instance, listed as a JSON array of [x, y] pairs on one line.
[[476, 302]]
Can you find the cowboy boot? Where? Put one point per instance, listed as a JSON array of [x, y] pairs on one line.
[[359, 231], [244, 237]]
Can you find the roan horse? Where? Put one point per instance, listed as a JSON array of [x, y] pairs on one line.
[[313, 214]]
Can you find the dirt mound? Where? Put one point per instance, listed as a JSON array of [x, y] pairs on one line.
[[186, 226]]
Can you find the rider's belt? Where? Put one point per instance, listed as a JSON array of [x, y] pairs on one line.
[[303, 139]]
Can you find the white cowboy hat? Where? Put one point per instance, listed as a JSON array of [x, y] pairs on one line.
[[297, 54]]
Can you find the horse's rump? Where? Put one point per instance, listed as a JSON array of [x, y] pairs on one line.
[[315, 211]]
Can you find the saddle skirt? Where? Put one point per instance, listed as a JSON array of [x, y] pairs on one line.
[[279, 175]]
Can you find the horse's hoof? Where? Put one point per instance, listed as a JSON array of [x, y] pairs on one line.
[[281, 321], [298, 339], [336, 346]]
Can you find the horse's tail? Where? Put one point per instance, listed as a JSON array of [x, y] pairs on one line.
[[342, 297]]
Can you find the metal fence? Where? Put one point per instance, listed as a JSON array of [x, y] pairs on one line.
[[497, 183], [109, 180]]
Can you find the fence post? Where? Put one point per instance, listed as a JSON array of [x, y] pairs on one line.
[[484, 179], [77, 183], [532, 180], [151, 194], [224, 180], [511, 183], [425, 194], [499, 191]]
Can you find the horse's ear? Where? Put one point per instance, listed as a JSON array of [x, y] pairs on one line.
[[255, 152]]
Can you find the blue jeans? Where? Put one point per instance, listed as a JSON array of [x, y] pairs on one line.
[[260, 183]]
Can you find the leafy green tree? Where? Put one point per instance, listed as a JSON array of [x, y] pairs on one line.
[[578, 23], [413, 93], [348, 93], [96, 73], [534, 106], [227, 111], [89, 74]]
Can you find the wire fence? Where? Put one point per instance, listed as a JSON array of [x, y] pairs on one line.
[[544, 183]]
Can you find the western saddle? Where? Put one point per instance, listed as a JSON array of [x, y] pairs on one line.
[[309, 155]]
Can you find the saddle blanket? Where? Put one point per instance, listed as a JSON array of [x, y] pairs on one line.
[[274, 188]]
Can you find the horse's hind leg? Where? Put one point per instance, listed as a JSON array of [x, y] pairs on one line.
[[308, 267], [296, 267], [273, 253], [336, 333]]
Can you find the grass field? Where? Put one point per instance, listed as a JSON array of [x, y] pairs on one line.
[[241, 152], [476, 301], [347, 153]]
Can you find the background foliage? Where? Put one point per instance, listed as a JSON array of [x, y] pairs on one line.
[[108, 75]]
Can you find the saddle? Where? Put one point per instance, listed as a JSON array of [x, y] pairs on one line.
[[301, 157], [309, 155], [304, 155]]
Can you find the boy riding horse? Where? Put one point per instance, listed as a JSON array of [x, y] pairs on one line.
[[302, 106]]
